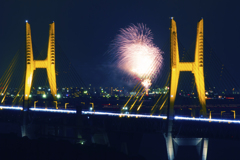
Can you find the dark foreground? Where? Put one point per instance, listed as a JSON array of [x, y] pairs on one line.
[[56, 136], [13, 147]]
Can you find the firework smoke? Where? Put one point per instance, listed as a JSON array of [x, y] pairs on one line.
[[136, 53]]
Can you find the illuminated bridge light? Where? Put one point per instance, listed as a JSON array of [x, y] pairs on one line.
[[121, 114], [206, 119], [53, 110], [11, 107]]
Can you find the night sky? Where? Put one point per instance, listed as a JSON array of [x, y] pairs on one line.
[[85, 29]]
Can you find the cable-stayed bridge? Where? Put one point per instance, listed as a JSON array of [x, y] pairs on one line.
[[49, 83]]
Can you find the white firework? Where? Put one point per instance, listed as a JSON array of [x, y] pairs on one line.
[[136, 53]]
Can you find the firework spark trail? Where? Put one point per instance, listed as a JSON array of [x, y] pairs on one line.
[[146, 83], [136, 52], [137, 89]]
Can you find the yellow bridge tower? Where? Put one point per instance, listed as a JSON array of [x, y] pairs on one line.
[[48, 63], [195, 67], [176, 67]]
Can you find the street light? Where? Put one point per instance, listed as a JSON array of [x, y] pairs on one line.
[[210, 114], [222, 113], [56, 104], [234, 113], [35, 104], [66, 105], [92, 105]]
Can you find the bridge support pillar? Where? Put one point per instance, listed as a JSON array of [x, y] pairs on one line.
[[124, 148], [64, 127], [169, 140], [25, 118], [169, 144], [79, 124], [205, 149], [173, 143]]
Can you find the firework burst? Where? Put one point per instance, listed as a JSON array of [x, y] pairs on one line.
[[146, 83], [135, 52]]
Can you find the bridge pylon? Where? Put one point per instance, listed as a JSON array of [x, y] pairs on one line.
[[176, 67], [32, 65], [48, 63], [195, 67]]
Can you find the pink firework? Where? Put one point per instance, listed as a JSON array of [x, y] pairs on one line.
[[136, 53]]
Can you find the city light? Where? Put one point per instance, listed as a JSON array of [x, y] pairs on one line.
[[44, 95], [58, 96]]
